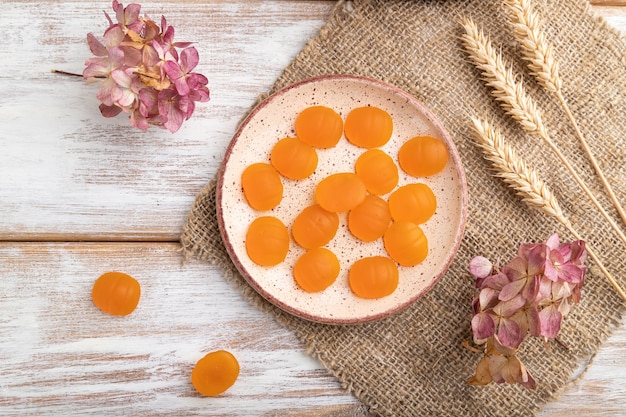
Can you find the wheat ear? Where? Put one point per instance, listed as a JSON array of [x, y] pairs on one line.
[[543, 66], [513, 98], [529, 186]]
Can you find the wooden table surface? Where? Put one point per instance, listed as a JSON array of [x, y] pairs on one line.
[[81, 195]]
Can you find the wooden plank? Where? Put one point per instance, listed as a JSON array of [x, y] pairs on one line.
[[70, 174], [60, 355], [601, 391], [90, 178], [608, 2], [614, 15]]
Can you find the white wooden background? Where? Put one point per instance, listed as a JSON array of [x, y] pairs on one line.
[[81, 195]]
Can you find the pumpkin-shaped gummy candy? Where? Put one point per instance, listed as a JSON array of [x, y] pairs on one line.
[[116, 293], [377, 170], [368, 127], [369, 220], [215, 373], [262, 186], [293, 158], [423, 156], [406, 243], [319, 126], [413, 203], [340, 192], [316, 269], [373, 277], [267, 241], [314, 226]]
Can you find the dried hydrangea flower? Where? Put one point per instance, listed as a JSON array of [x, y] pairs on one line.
[[142, 72], [530, 295]]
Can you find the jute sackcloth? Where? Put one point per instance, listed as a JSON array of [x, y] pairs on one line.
[[413, 364]]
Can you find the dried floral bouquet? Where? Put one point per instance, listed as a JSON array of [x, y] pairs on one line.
[[143, 72], [532, 293]]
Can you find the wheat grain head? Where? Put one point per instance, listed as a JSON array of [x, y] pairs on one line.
[[514, 171], [505, 87], [535, 48]]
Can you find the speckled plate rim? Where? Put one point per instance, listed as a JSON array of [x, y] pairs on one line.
[[454, 156]]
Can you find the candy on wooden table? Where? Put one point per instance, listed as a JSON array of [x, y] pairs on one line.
[[215, 373], [116, 293]]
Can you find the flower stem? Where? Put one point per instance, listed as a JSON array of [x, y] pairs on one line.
[[467, 345], [73, 74], [561, 343]]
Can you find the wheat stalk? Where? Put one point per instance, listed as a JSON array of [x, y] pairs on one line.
[[543, 66], [514, 171], [533, 190], [513, 98]]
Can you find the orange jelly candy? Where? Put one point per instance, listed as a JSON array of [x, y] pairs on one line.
[[368, 127], [406, 243], [413, 202], [262, 186], [116, 293], [378, 171], [423, 156], [293, 158], [267, 241], [373, 277], [340, 192], [314, 226], [316, 269], [369, 220], [215, 373], [319, 126]]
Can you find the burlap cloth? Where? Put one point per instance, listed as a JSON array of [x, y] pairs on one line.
[[413, 364]]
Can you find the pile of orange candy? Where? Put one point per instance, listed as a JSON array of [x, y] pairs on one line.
[[396, 219]]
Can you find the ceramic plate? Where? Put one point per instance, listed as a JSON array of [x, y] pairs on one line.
[[273, 120]]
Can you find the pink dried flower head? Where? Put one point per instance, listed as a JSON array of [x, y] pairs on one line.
[[530, 295], [143, 73], [480, 267]]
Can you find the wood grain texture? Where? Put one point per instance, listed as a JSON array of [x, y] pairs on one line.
[[91, 178], [70, 174], [67, 174], [615, 16], [60, 355], [608, 2]]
